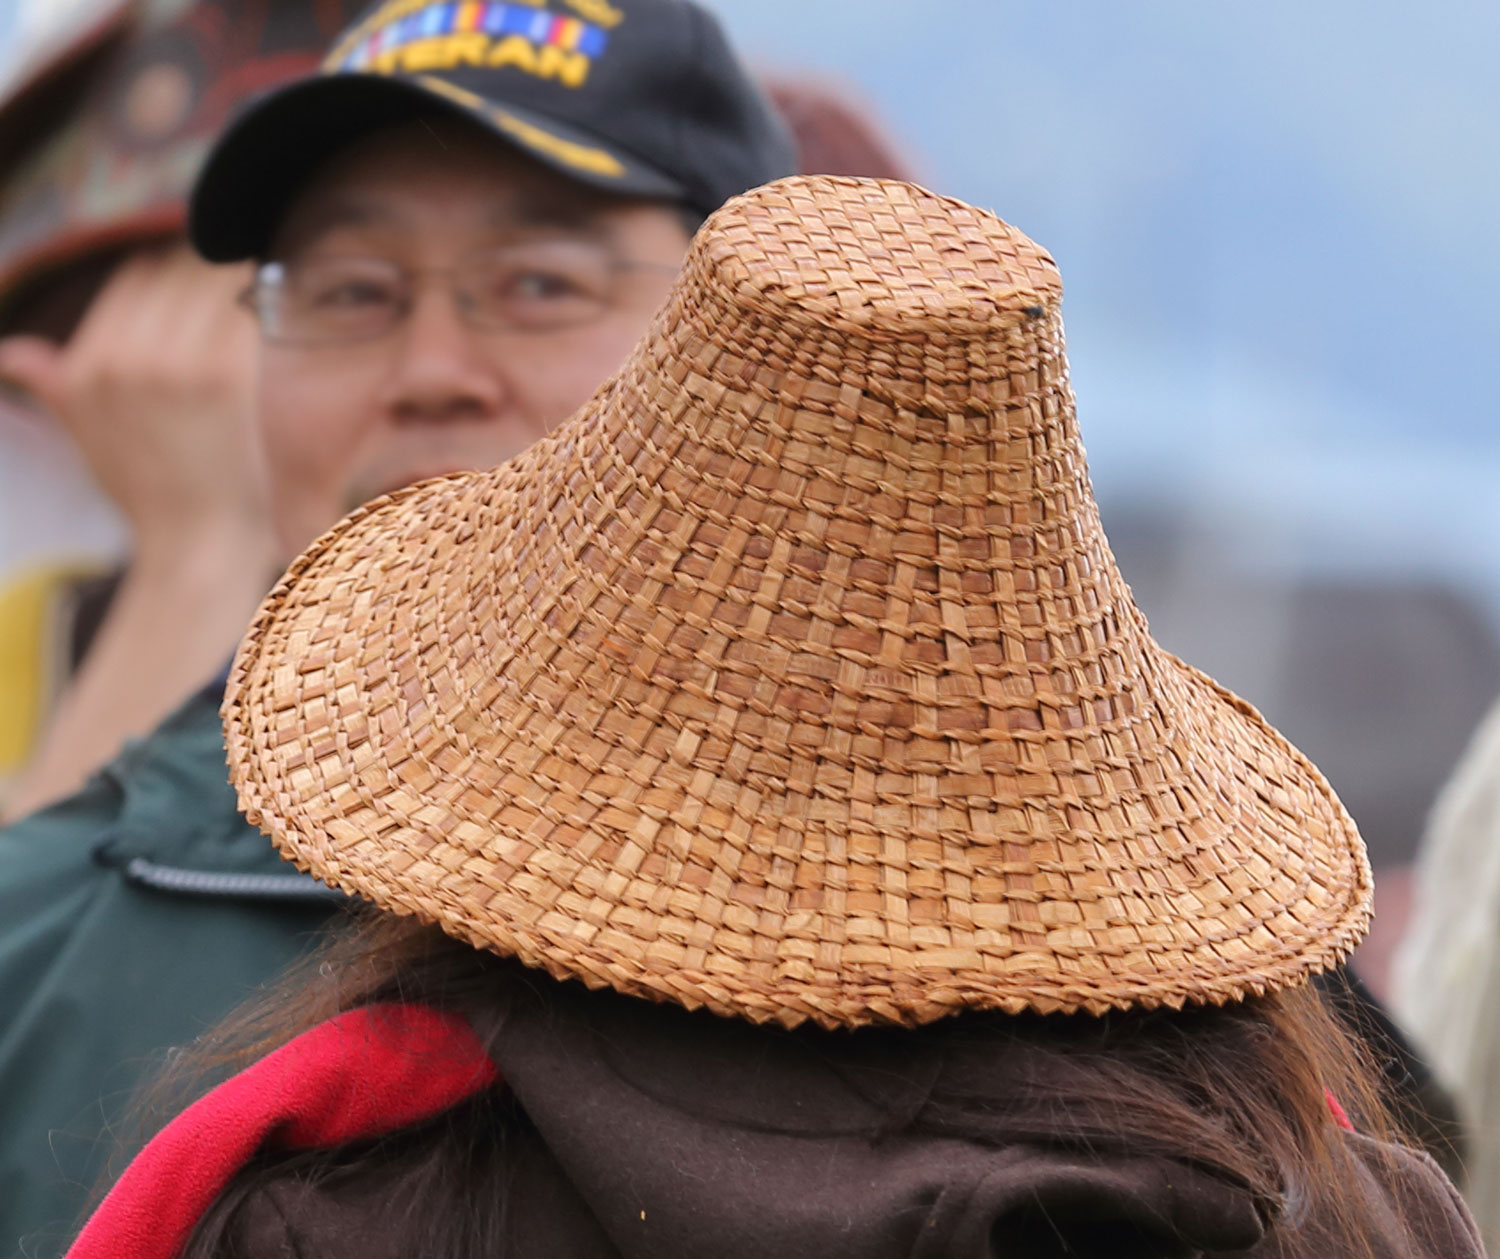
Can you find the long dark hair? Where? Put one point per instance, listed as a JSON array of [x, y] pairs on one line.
[[1241, 1089]]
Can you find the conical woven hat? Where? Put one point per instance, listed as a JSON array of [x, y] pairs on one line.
[[793, 676]]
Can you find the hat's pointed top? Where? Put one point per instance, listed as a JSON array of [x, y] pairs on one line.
[[875, 256]]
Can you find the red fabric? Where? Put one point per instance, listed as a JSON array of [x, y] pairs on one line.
[[1340, 1115], [365, 1073]]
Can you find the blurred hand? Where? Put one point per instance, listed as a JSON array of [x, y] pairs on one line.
[[156, 386]]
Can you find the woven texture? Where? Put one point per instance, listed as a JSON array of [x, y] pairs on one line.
[[793, 676]]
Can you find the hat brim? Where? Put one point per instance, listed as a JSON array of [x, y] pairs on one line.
[[269, 154], [373, 745]]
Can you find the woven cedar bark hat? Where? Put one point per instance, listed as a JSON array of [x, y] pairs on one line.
[[793, 676]]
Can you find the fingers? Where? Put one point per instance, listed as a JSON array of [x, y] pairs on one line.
[[35, 367], [165, 323], [212, 329], [159, 303], [157, 389], [166, 327]]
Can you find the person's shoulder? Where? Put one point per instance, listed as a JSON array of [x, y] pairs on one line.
[[293, 1216], [1421, 1200], [166, 791], [186, 748], [270, 1221]]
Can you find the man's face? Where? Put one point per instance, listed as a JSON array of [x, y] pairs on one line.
[[347, 420]]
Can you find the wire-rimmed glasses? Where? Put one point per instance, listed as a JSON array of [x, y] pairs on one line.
[[535, 286]]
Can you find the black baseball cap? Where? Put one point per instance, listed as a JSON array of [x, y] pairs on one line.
[[638, 97]]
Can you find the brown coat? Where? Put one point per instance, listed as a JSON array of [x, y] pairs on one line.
[[648, 1133]]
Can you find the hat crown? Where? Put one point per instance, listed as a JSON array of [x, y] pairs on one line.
[[864, 392], [882, 258]]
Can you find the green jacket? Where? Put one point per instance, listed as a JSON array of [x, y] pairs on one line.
[[133, 916]]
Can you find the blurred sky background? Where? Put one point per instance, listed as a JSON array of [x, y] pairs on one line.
[[1277, 227]]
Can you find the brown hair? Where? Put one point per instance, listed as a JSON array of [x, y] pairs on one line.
[[1242, 1089]]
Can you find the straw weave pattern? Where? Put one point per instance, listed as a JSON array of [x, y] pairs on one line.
[[793, 676]]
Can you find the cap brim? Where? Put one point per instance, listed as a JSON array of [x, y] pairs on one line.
[[271, 151]]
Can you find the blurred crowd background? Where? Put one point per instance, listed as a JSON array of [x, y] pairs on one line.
[[1277, 226]]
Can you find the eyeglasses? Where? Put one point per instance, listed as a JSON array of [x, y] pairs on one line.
[[526, 287]]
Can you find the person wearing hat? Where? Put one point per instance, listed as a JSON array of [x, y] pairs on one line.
[[459, 227], [781, 834]]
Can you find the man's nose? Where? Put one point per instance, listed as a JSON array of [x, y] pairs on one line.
[[441, 369]]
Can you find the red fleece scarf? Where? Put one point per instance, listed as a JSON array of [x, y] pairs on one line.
[[365, 1073]]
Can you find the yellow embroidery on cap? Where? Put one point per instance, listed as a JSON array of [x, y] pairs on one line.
[[391, 11], [420, 36], [571, 69], [581, 157], [456, 94], [600, 11], [437, 54]]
